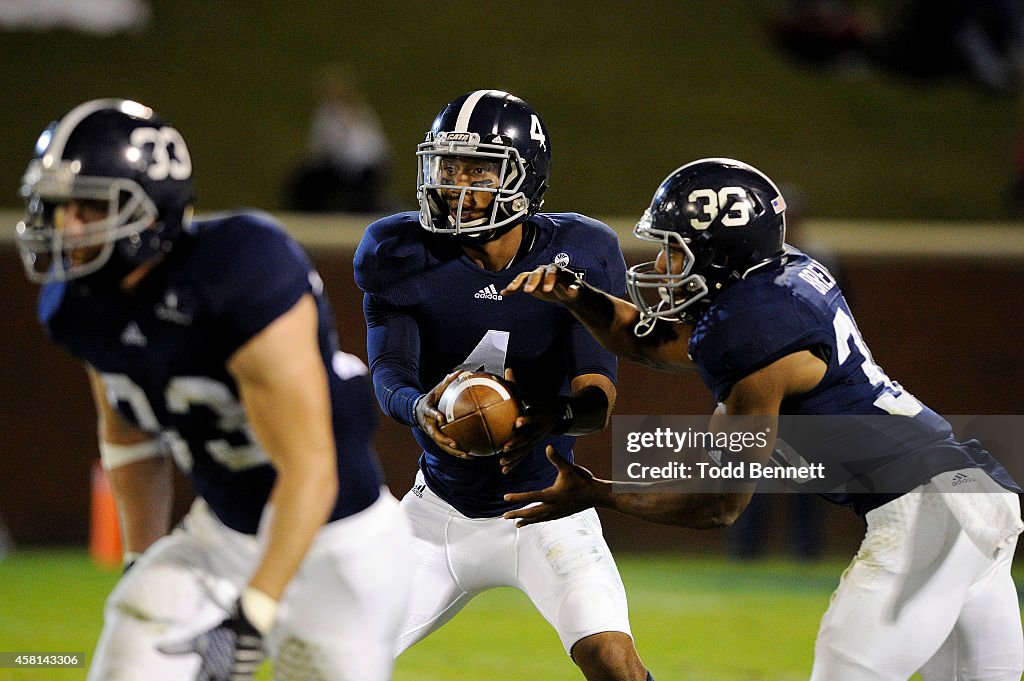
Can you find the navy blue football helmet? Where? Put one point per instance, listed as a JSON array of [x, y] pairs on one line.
[[498, 133], [724, 218], [124, 159]]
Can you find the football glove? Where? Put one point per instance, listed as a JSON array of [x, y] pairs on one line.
[[231, 651]]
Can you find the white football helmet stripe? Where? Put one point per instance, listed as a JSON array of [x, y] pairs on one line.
[[466, 112], [70, 121]]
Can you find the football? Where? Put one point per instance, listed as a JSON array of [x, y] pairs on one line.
[[480, 410]]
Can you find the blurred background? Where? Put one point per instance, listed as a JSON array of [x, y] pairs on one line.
[[870, 118], [893, 127]]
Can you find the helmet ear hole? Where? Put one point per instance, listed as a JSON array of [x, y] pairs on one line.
[[720, 259], [731, 213]]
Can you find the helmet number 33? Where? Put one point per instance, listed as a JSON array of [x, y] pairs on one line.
[[169, 157], [710, 203]]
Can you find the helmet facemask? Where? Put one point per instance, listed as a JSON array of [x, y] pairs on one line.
[[725, 218], [437, 192], [47, 251], [664, 295]]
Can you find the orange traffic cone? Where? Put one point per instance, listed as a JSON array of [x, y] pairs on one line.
[[104, 530]]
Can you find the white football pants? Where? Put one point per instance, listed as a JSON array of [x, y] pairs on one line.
[[564, 567], [337, 621], [920, 595]]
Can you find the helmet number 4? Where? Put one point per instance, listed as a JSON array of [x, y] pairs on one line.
[[169, 158], [710, 203], [537, 132]]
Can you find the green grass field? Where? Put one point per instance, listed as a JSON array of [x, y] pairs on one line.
[[692, 619]]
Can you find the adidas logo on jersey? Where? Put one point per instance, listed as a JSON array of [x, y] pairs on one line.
[[132, 335], [961, 478], [488, 293]]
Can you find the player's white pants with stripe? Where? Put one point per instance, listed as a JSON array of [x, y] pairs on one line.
[[337, 621], [921, 595], [564, 567]]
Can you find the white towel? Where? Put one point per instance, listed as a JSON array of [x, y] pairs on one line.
[[988, 514]]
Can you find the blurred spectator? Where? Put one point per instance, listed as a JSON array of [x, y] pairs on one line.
[[348, 157], [99, 17], [984, 38], [926, 38], [803, 518], [824, 32], [802, 513]]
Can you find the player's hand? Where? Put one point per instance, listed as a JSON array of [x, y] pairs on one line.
[[532, 426], [231, 651], [548, 282], [574, 490], [429, 418]]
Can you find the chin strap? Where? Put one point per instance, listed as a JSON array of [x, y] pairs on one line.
[[644, 326], [647, 322], [483, 237]]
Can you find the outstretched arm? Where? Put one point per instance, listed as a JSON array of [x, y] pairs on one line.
[[712, 502], [609, 319], [576, 489]]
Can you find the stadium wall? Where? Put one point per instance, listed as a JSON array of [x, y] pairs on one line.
[[939, 305]]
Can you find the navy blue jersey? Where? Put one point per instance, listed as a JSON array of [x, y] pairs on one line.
[[162, 352], [871, 434], [427, 306]]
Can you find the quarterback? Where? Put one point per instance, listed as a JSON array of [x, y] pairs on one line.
[[432, 304]]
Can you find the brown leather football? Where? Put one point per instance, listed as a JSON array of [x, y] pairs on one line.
[[480, 410]]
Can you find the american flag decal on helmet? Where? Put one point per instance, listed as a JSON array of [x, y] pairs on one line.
[[779, 204]]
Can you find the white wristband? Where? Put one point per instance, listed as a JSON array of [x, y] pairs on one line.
[[113, 456], [259, 608]]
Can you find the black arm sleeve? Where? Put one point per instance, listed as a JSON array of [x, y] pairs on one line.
[[393, 348]]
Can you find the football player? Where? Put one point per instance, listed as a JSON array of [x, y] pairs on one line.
[[212, 342], [431, 281], [770, 333]]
